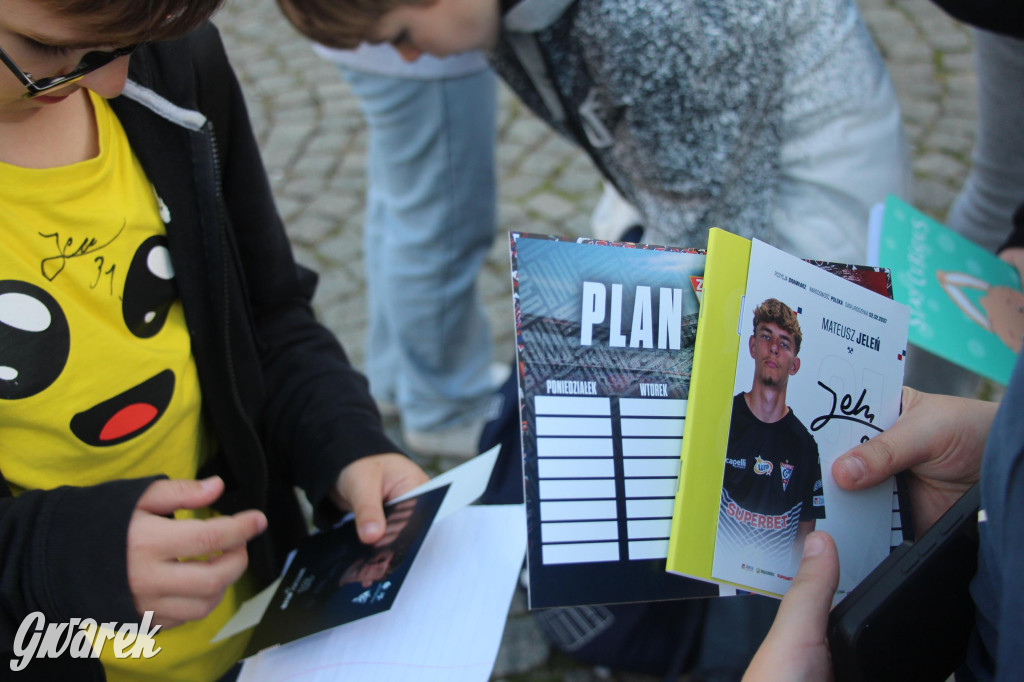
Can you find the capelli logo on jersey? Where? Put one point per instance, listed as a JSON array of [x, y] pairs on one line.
[[736, 463], [761, 467], [82, 638]]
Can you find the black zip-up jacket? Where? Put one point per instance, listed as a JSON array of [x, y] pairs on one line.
[[286, 406]]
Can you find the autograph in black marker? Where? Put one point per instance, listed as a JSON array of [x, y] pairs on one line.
[[52, 266], [859, 412]]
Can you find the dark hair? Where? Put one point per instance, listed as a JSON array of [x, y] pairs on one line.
[[134, 21], [339, 23], [774, 311]]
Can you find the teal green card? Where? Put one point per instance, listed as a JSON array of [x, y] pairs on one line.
[[965, 304]]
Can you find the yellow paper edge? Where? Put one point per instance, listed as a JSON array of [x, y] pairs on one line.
[[691, 548]]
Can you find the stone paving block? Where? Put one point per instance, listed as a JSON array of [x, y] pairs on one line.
[[920, 90], [304, 187], [350, 186], [492, 288], [260, 125], [575, 183], [271, 85], [303, 63], [554, 144], [335, 87], [915, 8], [934, 197], [287, 208], [305, 254], [883, 17], [578, 224], [347, 319], [337, 281], [916, 133], [320, 163], [258, 65], [551, 206], [353, 165], [539, 165], [342, 248], [347, 126], [311, 228], [284, 143], [519, 186], [896, 32], [527, 132], [337, 141], [941, 167], [498, 264], [508, 159], [908, 51], [920, 111], [523, 647], [952, 42], [510, 214], [955, 126], [295, 48], [961, 108], [503, 329], [581, 163], [959, 146], [302, 109], [245, 54], [958, 62], [910, 73]]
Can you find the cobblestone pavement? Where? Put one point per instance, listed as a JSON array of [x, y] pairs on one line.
[[313, 141]]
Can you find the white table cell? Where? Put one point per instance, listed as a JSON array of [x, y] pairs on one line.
[[581, 531], [587, 489], [671, 428], [577, 511], [550, 404], [575, 447], [650, 509], [648, 549], [652, 447], [582, 553], [654, 529], [576, 468], [651, 487], [651, 467], [652, 407], [574, 426]]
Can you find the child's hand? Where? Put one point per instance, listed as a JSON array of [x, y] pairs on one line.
[[180, 569], [366, 484]]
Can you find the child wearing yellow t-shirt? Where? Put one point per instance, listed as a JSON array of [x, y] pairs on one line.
[[163, 383]]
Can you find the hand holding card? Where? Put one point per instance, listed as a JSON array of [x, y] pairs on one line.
[[334, 579]]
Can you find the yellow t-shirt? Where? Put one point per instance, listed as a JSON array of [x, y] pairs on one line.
[[97, 378]]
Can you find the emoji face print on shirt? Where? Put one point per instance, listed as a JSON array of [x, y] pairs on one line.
[[36, 338], [97, 377]]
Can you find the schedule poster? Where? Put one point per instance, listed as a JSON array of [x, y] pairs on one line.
[[605, 335]]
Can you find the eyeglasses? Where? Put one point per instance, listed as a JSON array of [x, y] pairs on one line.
[[90, 62]]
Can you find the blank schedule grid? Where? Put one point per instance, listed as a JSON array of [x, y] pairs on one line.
[[606, 476], [652, 438]]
